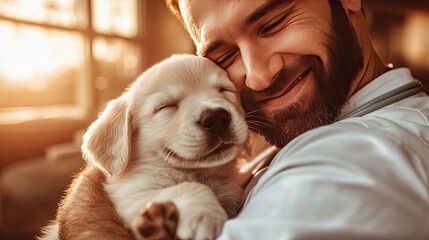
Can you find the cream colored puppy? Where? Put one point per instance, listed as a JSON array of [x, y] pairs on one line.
[[167, 147]]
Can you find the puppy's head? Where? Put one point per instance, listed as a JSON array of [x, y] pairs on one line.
[[183, 112]]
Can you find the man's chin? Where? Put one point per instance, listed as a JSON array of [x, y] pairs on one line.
[[291, 123], [281, 134], [282, 131]]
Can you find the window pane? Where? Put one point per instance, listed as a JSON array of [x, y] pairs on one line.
[[67, 13], [115, 17], [39, 67], [117, 65]]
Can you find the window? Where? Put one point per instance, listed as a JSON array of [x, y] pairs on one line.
[[61, 59]]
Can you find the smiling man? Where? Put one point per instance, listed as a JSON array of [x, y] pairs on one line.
[[288, 58], [354, 134]]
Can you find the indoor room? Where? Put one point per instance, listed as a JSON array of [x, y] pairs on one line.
[[61, 61]]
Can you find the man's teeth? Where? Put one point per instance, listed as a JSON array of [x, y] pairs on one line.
[[297, 80]]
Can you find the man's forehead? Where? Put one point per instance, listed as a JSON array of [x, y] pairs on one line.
[[187, 9], [205, 19]]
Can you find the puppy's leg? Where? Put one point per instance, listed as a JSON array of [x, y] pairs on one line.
[[200, 215], [158, 221]]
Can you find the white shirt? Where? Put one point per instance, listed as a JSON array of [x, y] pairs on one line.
[[359, 178]]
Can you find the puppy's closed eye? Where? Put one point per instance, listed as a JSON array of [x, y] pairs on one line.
[[167, 106], [162, 101]]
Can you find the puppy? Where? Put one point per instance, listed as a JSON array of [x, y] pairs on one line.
[[164, 154]]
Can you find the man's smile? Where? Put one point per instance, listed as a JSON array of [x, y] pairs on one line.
[[281, 92], [290, 86]]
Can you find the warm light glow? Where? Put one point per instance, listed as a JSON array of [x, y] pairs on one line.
[[105, 50], [118, 52], [59, 12], [416, 38], [115, 16], [32, 57], [45, 70]]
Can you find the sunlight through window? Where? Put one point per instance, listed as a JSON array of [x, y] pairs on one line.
[[46, 70], [70, 13], [115, 16], [34, 58]]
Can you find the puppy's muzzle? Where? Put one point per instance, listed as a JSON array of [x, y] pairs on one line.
[[215, 121]]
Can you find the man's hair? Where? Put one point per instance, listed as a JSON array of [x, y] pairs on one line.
[[173, 6]]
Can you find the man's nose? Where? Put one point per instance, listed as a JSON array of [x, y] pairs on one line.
[[260, 67]]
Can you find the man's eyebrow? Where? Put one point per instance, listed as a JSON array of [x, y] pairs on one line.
[[206, 50], [263, 10]]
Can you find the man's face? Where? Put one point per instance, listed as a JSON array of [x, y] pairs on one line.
[[293, 61]]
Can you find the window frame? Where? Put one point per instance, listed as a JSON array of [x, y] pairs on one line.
[[86, 110]]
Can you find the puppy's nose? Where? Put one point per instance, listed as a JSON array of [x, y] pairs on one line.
[[215, 121]]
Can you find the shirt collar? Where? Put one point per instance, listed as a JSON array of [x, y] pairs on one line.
[[379, 86]]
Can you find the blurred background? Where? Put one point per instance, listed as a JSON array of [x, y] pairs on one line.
[[62, 60]]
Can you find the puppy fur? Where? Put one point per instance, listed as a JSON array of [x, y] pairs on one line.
[[173, 136]]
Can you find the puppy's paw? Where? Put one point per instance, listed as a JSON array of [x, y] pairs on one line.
[[201, 225], [157, 221]]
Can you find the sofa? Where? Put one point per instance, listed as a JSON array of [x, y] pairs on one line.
[[30, 189]]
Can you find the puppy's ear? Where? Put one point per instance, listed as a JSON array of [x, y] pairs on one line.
[[107, 142]]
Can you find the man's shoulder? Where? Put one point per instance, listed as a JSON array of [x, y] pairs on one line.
[[399, 130], [407, 117]]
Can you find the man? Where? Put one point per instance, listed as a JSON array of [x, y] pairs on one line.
[[354, 135]]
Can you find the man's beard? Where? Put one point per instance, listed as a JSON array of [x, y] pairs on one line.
[[332, 87]]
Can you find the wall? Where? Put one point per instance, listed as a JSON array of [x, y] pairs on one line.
[[400, 33]]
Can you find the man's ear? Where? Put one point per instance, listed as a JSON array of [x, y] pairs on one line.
[[107, 142], [352, 5]]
